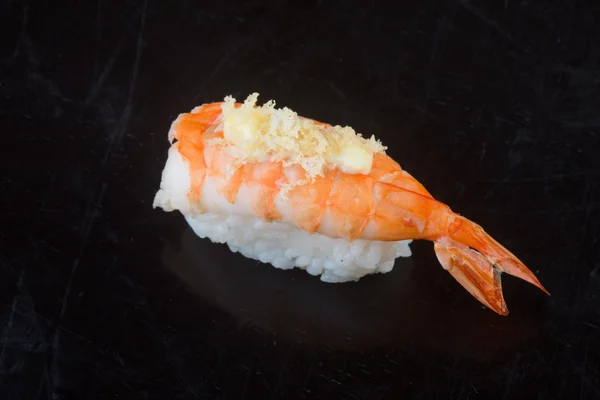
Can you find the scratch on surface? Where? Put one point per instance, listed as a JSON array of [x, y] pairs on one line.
[[234, 49], [438, 46], [439, 42], [9, 324], [86, 227], [283, 368], [123, 123], [63, 308], [98, 34], [265, 380], [581, 175], [591, 325], [90, 216], [245, 387], [329, 379], [336, 90], [44, 379], [583, 368], [588, 205], [22, 32], [107, 68], [552, 211], [494, 25], [55, 377]]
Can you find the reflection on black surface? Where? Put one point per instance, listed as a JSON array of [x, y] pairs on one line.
[[392, 309]]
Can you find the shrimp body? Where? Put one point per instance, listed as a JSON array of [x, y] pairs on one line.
[[385, 204]]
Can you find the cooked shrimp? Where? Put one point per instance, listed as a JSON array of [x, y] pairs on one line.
[[384, 203]]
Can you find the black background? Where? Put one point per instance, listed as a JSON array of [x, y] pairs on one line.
[[493, 105]]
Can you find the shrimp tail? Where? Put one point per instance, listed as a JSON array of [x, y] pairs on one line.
[[477, 261]]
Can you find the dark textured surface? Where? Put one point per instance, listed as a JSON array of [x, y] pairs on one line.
[[494, 106]]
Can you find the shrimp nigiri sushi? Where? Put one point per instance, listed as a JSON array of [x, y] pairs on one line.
[[294, 192]]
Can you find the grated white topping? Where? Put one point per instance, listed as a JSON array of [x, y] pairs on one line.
[[264, 133]]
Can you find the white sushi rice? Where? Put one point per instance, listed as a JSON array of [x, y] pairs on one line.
[[277, 243], [286, 247]]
